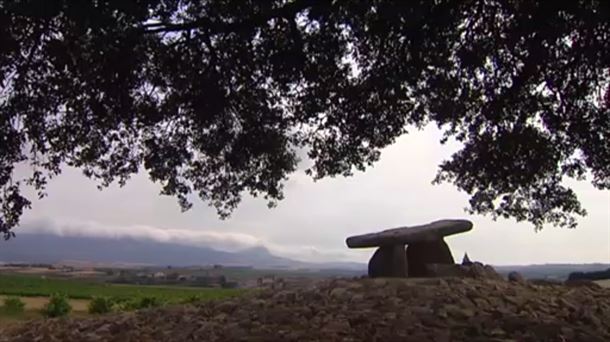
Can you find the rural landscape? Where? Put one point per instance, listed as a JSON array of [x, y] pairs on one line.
[[304, 170], [90, 283], [88, 296], [37, 293], [81, 289]]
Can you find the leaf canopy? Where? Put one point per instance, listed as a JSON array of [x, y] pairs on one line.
[[216, 97]]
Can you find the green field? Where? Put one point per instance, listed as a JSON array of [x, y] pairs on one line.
[[7, 318], [31, 286]]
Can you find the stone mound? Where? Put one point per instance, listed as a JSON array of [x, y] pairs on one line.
[[473, 270], [441, 309]]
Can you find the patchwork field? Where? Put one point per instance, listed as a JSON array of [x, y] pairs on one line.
[[33, 307], [37, 286], [34, 292]]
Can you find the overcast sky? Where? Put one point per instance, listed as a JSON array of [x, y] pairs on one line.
[[314, 219]]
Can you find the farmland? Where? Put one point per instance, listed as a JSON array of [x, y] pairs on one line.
[[37, 286], [34, 291]]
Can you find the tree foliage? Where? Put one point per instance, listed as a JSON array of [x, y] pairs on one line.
[[58, 306], [215, 97]]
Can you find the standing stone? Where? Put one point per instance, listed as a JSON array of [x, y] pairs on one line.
[[466, 260], [421, 254], [388, 261]]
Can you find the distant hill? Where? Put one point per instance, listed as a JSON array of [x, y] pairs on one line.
[[595, 275], [551, 271], [48, 248]]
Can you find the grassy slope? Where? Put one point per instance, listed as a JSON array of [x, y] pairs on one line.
[[31, 286], [8, 318]]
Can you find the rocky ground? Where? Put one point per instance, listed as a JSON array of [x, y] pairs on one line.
[[441, 309]]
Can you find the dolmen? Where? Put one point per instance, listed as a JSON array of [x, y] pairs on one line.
[[425, 245]]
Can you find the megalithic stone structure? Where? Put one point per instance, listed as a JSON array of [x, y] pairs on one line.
[[425, 245]]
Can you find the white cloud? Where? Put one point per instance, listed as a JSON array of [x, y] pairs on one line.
[[224, 241], [69, 227]]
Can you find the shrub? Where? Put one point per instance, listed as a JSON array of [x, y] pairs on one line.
[[122, 304], [13, 305], [58, 306], [149, 302], [192, 299], [138, 303], [100, 305]]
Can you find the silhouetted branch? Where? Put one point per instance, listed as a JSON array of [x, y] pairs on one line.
[[287, 11]]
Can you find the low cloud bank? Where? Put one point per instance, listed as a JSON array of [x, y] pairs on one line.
[[225, 241]]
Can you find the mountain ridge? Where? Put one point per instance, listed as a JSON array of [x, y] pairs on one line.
[[51, 248]]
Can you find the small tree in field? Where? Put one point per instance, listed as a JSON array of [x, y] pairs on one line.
[[13, 305], [58, 306], [101, 305]]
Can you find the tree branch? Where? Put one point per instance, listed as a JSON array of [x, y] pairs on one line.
[[287, 11]]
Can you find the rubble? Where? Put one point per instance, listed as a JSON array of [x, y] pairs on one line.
[[380, 309]]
